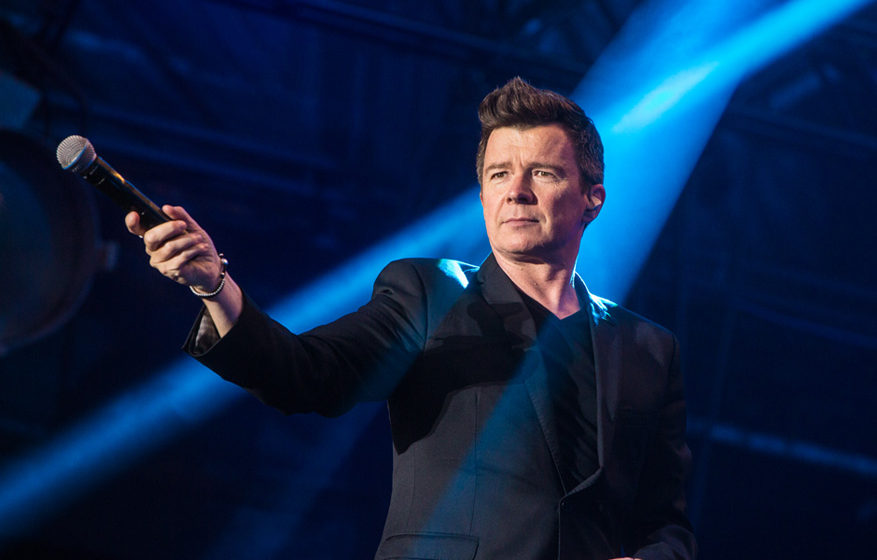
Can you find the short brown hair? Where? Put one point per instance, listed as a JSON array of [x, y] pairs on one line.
[[517, 104]]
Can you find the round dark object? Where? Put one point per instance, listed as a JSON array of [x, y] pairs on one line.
[[48, 241]]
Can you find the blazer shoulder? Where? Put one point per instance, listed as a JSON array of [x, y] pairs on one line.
[[433, 286], [434, 274], [625, 317]]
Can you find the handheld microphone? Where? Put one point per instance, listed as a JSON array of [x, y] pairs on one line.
[[77, 155]]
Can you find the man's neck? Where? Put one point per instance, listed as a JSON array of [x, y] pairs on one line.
[[548, 283]]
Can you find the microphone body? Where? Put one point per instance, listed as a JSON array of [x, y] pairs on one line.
[[77, 155]]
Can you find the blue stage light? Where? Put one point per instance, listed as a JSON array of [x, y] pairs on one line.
[[656, 93], [47, 479]]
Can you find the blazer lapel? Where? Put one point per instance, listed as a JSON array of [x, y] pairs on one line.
[[502, 296], [504, 299], [607, 351], [607, 362]]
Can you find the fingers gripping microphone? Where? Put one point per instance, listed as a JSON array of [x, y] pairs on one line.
[[77, 155]]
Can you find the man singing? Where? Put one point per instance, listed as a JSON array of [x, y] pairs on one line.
[[530, 419]]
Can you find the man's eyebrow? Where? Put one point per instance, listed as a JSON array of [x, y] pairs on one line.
[[556, 168], [532, 165], [497, 165]]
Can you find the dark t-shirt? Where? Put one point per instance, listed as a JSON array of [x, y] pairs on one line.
[[569, 361]]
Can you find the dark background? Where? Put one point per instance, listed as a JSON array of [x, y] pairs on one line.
[[300, 133]]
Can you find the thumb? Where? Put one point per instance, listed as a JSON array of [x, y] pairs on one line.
[[132, 222]]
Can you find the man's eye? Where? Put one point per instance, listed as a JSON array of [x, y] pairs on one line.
[[544, 174], [499, 174]]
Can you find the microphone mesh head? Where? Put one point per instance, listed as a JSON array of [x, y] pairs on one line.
[[75, 153]]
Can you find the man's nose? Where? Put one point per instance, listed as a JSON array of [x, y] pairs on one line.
[[520, 190]]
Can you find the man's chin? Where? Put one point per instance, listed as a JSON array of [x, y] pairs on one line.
[[535, 252], [522, 253]]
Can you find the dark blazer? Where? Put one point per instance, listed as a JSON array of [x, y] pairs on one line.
[[451, 347]]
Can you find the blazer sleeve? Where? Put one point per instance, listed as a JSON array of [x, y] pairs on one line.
[[661, 529], [360, 356]]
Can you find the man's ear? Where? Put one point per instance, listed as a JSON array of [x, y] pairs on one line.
[[596, 195]]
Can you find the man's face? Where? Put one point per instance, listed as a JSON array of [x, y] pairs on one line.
[[535, 206]]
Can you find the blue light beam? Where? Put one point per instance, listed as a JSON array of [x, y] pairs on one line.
[[656, 94]]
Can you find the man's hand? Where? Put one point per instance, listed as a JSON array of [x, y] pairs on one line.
[[180, 249], [183, 252]]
